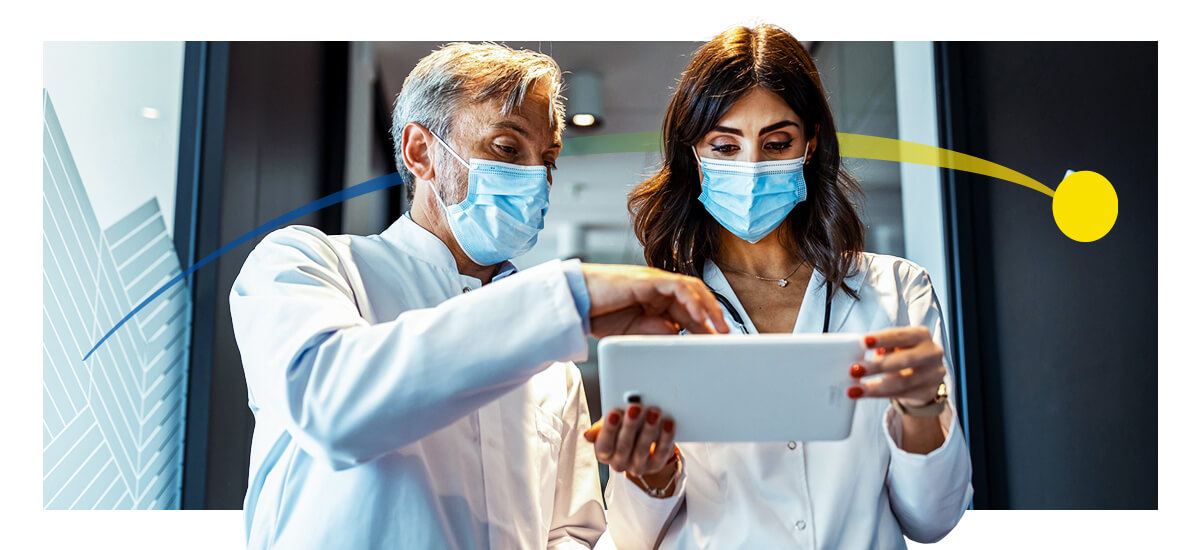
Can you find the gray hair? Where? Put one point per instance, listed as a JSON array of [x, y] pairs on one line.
[[435, 89]]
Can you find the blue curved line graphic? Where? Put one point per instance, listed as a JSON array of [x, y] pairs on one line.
[[370, 186]]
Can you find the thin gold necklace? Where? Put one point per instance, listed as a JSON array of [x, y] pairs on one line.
[[782, 282]]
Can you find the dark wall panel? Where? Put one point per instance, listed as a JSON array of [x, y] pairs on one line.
[[1068, 365], [282, 108]]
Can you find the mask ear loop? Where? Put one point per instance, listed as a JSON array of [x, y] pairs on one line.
[[450, 150], [432, 186], [699, 163]]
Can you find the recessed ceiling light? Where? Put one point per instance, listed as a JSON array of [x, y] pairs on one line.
[[585, 103], [583, 119], [149, 112]]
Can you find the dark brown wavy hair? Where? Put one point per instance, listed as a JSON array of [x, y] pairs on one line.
[[678, 234]]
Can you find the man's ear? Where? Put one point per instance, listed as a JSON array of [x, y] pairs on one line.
[[416, 148]]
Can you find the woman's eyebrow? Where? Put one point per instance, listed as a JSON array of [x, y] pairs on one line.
[[766, 130], [776, 126]]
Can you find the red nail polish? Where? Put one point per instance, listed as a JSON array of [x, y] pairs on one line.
[[880, 351], [651, 417], [668, 425], [634, 411], [854, 392], [614, 418], [870, 341], [858, 371]]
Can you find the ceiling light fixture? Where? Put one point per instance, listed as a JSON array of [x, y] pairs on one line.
[[585, 99], [583, 119]]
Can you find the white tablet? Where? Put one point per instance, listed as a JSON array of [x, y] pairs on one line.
[[769, 387]]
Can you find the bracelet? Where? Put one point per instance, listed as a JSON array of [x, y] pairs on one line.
[[934, 408], [662, 493]]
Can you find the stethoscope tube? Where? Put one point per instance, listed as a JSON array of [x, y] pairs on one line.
[[737, 317]]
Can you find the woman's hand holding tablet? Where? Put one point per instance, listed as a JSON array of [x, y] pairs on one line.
[[910, 363], [641, 444]]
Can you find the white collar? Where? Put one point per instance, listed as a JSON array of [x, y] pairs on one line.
[[416, 241]]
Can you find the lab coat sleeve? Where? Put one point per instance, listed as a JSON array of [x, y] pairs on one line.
[[578, 518], [637, 520], [350, 391], [578, 283], [929, 492]]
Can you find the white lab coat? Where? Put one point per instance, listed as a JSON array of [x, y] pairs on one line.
[[862, 492], [398, 404]]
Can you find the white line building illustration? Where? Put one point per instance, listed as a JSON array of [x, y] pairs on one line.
[[112, 426]]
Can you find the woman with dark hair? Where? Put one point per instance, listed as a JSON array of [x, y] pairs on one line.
[[753, 198]]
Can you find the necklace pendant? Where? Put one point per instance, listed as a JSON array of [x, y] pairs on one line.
[[783, 283]]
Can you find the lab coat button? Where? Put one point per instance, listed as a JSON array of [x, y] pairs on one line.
[[792, 445], [800, 525]]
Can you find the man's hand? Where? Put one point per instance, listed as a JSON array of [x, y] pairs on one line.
[[643, 300]]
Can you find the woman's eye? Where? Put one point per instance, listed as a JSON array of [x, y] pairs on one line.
[[778, 145], [725, 148]]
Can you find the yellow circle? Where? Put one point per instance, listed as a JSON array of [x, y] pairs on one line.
[[1085, 206]]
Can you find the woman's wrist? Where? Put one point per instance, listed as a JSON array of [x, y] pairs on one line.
[[930, 407], [916, 403], [660, 484]]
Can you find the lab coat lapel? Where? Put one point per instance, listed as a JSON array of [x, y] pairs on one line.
[[508, 435], [715, 279], [812, 311]]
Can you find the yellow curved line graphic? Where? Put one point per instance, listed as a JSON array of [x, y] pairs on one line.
[[878, 148]]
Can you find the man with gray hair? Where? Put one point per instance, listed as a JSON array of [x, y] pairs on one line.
[[410, 389]]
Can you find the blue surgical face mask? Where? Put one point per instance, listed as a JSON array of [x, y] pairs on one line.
[[503, 211], [751, 199]]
